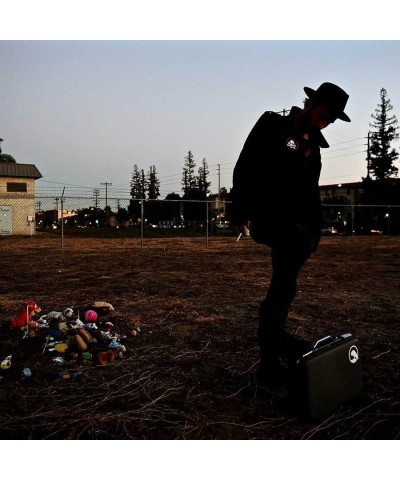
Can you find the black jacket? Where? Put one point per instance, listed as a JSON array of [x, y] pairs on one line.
[[275, 180]]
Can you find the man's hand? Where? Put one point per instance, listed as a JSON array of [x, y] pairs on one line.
[[242, 229]]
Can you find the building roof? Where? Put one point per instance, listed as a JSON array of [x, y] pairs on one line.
[[19, 170]]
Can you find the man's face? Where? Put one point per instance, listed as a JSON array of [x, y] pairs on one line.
[[320, 117]]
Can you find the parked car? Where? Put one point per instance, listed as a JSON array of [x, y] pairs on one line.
[[222, 225], [329, 231]]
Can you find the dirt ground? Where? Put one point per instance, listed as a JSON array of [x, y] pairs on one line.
[[189, 374]]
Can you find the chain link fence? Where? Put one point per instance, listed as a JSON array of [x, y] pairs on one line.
[[125, 217]]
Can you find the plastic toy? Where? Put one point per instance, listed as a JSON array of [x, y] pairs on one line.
[[90, 326], [82, 339], [91, 316], [66, 374], [26, 373], [6, 363], [109, 356]]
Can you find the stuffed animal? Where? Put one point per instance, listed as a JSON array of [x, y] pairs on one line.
[[24, 320], [74, 324], [65, 315], [54, 329], [109, 356], [102, 308], [81, 340], [58, 323]]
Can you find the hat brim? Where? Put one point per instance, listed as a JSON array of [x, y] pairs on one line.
[[310, 92], [344, 117]]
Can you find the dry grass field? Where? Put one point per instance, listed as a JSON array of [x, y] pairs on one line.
[[189, 373]]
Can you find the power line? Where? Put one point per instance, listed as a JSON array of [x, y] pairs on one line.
[[348, 141], [345, 154]]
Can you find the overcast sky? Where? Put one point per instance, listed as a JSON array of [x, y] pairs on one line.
[[84, 112]]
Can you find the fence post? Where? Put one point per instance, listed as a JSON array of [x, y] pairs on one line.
[[62, 221], [388, 220], [141, 224], [207, 223]]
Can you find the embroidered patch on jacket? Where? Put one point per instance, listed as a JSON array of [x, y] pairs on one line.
[[292, 144]]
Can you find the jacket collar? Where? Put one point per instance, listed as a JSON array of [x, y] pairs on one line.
[[320, 138]]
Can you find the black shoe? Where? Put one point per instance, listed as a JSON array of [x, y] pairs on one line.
[[295, 347], [270, 372]]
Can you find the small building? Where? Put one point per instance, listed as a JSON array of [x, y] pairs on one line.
[[17, 198], [342, 193], [218, 207]]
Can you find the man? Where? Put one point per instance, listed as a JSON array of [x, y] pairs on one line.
[[276, 196]]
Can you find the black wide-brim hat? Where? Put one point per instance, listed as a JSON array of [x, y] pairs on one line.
[[332, 96]]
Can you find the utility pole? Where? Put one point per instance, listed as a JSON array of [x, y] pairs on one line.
[[96, 193], [368, 156], [106, 184], [219, 180], [284, 112], [57, 209]]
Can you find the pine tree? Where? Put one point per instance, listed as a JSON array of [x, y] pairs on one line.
[[202, 179], [142, 185], [152, 184], [138, 191], [189, 181], [382, 157], [138, 183]]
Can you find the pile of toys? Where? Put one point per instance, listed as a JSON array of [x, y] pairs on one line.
[[68, 338]]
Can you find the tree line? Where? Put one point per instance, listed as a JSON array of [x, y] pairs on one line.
[[195, 186]]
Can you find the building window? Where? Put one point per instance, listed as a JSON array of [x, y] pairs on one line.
[[16, 187]]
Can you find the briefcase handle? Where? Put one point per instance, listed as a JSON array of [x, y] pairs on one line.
[[326, 339]]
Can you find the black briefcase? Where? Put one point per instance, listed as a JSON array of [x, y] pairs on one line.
[[326, 377]]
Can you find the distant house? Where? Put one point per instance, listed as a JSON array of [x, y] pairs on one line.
[[17, 198], [342, 193], [218, 207]]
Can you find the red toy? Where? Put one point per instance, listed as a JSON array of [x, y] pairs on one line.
[[109, 356], [91, 316], [25, 317]]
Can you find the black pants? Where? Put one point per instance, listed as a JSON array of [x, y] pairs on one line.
[[289, 253]]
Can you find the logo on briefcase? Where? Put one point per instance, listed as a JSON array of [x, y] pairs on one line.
[[353, 354]]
